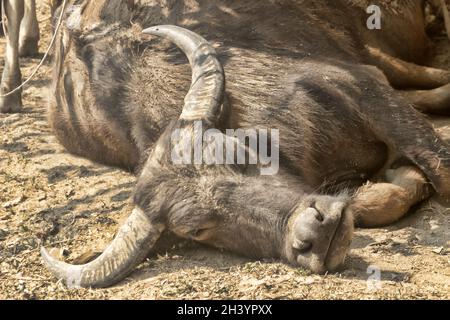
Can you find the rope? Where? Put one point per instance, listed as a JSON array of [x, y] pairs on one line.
[[41, 63]]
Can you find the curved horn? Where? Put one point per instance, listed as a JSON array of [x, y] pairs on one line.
[[130, 246], [204, 99]]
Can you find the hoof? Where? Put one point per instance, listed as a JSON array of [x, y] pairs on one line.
[[29, 47], [11, 104]]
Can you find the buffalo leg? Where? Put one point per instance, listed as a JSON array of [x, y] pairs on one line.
[[12, 77], [381, 204], [29, 31], [435, 101], [402, 74], [407, 132]]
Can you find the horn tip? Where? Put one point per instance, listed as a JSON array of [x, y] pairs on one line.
[[158, 30], [163, 29], [150, 30], [45, 254], [69, 273]]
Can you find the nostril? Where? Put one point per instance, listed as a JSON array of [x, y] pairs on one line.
[[317, 213], [302, 246], [319, 216]]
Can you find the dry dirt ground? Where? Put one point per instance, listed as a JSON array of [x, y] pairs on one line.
[[77, 206]]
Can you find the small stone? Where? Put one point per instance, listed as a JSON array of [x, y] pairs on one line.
[[42, 197], [69, 193], [439, 250], [309, 281]]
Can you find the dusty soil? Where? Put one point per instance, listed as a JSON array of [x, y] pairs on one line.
[[76, 205]]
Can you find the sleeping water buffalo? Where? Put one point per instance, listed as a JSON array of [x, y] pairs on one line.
[[341, 91]]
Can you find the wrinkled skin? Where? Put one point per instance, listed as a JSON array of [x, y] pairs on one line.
[[313, 71]]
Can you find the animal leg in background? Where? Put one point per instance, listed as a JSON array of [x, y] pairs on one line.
[[12, 77], [435, 101], [29, 31], [381, 204], [403, 75]]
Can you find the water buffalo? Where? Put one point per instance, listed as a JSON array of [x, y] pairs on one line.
[[352, 148]]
